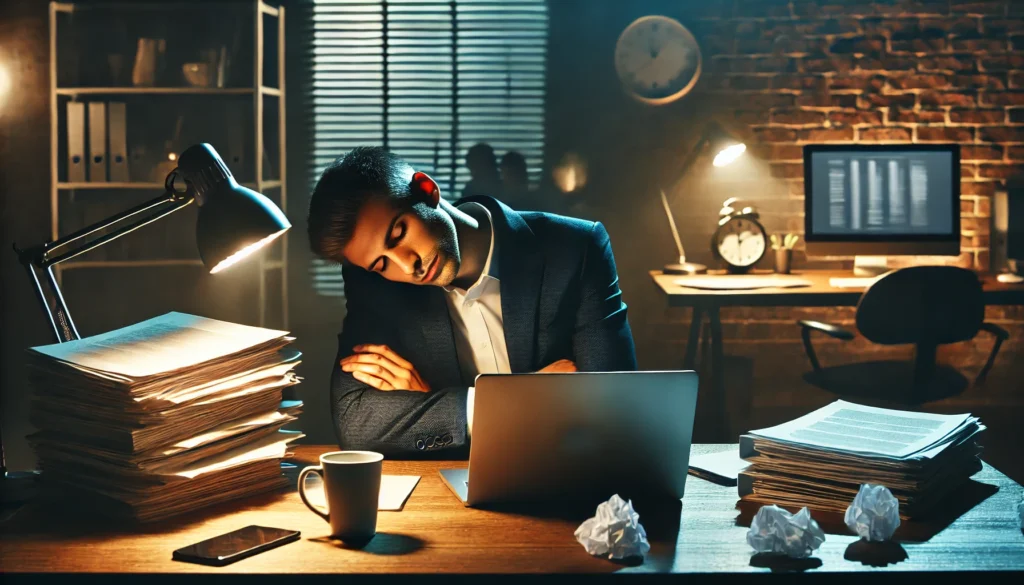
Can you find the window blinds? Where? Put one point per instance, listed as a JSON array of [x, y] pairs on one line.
[[428, 79]]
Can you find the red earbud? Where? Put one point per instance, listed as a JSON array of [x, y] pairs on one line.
[[423, 182]]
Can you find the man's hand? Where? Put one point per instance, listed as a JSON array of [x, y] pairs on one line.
[[559, 367], [383, 369]]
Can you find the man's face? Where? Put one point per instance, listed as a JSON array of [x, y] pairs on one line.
[[414, 244]]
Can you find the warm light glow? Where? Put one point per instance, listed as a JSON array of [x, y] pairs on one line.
[[570, 174], [729, 154], [244, 252], [172, 156], [5, 83]]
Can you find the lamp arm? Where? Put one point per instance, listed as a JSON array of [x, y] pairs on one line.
[[42, 258]]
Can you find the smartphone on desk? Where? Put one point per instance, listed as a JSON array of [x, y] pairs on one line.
[[235, 545]]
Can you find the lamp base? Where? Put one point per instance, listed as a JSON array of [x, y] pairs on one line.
[[685, 268], [18, 486]]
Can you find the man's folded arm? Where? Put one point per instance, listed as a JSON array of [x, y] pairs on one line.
[[394, 422], [602, 341]]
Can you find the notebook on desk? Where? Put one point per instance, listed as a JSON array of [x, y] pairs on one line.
[[740, 281]]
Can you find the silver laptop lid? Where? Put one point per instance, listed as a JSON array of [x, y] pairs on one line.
[[540, 436]]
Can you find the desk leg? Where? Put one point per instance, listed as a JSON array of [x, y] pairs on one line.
[[693, 343], [718, 376]]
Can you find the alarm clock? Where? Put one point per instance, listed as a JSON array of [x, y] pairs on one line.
[[657, 60], [740, 240]]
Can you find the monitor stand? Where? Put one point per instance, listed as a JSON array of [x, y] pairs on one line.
[[870, 265]]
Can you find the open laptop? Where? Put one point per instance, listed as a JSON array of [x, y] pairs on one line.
[[552, 436]]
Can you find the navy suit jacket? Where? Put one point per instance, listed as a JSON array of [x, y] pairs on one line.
[[560, 298]]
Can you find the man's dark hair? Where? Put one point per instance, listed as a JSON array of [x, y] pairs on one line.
[[515, 162], [344, 187]]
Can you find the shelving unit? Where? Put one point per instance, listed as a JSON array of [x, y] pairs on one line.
[[258, 91]]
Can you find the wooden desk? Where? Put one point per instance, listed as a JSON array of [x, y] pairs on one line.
[[819, 294], [436, 533]]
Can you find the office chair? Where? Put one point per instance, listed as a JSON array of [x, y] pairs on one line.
[[926, 306]]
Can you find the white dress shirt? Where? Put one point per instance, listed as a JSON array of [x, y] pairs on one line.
[[477, 323]]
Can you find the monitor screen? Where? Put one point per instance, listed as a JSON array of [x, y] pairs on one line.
[[882, 194]]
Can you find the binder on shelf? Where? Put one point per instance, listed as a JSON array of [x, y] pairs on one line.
[[97, 142], [76, 142], [118, 131]]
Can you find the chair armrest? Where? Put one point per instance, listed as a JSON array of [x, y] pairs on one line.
[[830, 330], [995, 330]]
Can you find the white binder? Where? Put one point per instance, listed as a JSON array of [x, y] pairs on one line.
[[118, 153], [76, 142], [97, 142]]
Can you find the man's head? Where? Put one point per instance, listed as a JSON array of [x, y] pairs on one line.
[[481, 162], [372, 210], [513, 170]]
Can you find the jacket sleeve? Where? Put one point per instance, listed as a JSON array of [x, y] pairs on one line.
[[602, 341], [398, 422]]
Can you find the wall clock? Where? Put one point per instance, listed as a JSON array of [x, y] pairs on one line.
[[657, 60]]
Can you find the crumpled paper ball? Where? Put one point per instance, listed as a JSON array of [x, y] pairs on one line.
[[615, 531], [874, 514], [775, 530]]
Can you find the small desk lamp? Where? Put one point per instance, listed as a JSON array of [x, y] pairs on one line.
[[727, 149], [234, 221]]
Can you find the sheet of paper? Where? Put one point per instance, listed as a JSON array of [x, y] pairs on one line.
[[724, 466], [163, 344], [845, 426], [394, 491]]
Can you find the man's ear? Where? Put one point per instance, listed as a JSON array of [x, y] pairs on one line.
[[423, 186]]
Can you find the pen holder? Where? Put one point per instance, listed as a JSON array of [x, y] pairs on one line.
[[783, 260]]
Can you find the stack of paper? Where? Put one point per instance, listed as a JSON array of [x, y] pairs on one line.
[[165, 416], [821, 459]]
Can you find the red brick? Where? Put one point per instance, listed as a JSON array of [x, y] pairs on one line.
[[981, 152], [919, 117], [750, 117], [918, 45], [982, 260], [941, 134], [827, 64], [937, 98], [769, 100], [826, 134], [980, 81], [1015, 153], [745, 82], [887, 134], [957, 26], [775, 134], [997, 27], [796, 188], [968, 171], [1017, 79], [979, 8], [856, 117], [843, 101], [797, 117], [974, 188], [1002, 98], [1001, 134], [1001, 62], [975, 225], [787, 170], [875, 100], [979, 44], [998, 171], [966, 208], [977, 116], [887, 63], [798, 82], [861, 82], [923, 81], [786, 152], [984, 206], [948, 63], [858, 45]]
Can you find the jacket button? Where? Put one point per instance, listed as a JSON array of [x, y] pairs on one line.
[[447, 439], [430, 442], [420, 444]]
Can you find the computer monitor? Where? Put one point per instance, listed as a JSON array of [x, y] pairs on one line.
[[881, 200]]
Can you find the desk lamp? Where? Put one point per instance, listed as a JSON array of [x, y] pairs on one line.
[[234, 222], [727, 149]]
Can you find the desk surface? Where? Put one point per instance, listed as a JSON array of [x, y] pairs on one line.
[[435, 533], [819, 294]]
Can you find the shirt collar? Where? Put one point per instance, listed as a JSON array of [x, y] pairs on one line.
[[490, 271]]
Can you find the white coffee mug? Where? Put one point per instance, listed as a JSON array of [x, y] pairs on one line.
[[351, 489]]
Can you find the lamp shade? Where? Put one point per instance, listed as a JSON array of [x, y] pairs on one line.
[[234, 221]]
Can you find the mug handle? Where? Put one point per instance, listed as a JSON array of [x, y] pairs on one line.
[[302, 489]]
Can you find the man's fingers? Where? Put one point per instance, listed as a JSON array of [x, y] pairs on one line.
[[374, 381], [376, 359], [375, 370], [385, 351]]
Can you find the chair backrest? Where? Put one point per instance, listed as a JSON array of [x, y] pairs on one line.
[[922, 304]]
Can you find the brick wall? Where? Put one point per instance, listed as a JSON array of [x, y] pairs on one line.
[[875, 72]]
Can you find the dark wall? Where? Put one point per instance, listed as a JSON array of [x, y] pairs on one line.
[[785, 74]]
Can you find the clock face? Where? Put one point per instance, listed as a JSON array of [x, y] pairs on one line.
[[657, 59], [741, 242]]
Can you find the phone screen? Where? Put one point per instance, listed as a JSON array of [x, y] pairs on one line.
[[221, 549]]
